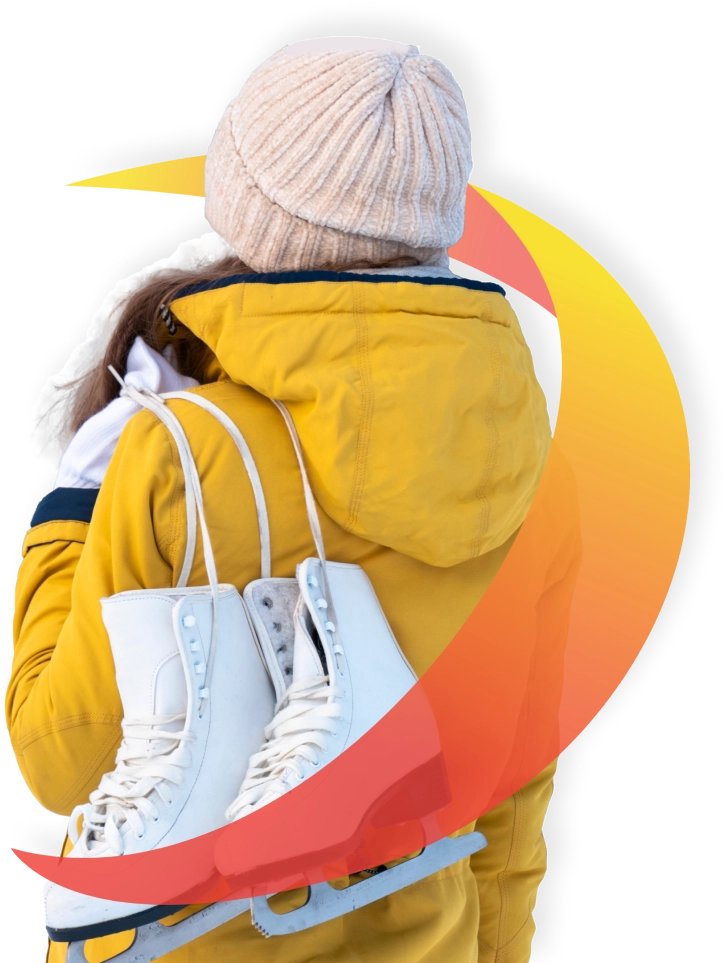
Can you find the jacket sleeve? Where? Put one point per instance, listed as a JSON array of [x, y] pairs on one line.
[[62, 707]]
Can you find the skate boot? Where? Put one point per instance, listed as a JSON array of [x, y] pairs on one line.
[[344, 677], [341, 673], [196, 697], [315, 719]]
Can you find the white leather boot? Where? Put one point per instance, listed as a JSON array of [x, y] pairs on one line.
[[196, 696], [347, 671], [345, 677], [337, 670], [176, 768]]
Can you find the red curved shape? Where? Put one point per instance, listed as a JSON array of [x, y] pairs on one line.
[[480, 723], [540, 654], [491, 245]]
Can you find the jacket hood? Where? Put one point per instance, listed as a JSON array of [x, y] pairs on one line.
[[423, 425]]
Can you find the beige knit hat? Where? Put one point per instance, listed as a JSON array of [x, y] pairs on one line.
[[338, 150]]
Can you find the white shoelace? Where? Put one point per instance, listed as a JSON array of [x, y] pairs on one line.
[[307, 713], [149, 762]]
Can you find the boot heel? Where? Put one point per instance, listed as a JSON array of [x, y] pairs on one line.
[[417, 795]]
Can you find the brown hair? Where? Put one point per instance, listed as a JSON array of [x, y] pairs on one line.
[[141, 316]]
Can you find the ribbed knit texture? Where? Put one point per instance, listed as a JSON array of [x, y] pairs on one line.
[[327, 158]]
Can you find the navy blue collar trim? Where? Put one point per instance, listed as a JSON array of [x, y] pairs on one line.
[[297, 277]]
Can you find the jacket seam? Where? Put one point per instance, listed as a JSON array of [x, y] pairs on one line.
[[178, 497], [68, 722], [493, 441], [52, 541], [503, 878], [501, 884], [39, 540], [57, 521], [522, 931], [367, 406]]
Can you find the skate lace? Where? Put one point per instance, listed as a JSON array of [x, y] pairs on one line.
[[308, 712], [147, 769]]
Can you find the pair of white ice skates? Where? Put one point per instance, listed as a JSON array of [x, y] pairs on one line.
[[229, 702]]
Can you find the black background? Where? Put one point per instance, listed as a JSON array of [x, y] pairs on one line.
[[612, 107]]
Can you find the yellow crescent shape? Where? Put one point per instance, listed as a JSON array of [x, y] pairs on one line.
[[183, 176]]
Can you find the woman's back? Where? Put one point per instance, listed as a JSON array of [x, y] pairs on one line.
[[379, 375], [424, 431]]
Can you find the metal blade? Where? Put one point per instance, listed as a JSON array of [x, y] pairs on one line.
[[326, 903], [154, 940]]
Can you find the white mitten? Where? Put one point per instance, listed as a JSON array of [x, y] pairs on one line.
[[86, 458]]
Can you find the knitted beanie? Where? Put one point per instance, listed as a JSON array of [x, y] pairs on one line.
[[339, 150]]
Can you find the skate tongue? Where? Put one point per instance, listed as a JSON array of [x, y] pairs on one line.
[[308, 656]]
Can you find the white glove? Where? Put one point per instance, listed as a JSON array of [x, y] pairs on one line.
[[87, 457]]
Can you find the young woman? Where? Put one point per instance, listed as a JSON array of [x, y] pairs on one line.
[[337, 180]]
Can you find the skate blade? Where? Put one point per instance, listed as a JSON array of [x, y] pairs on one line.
[[155, 940], [326, 903]]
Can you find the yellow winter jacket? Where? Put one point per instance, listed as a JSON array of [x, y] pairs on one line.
[[426, 435]]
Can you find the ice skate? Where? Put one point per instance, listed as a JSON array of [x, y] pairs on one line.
[[196, 697], [326, 643], [343, 672], [345, 676]]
